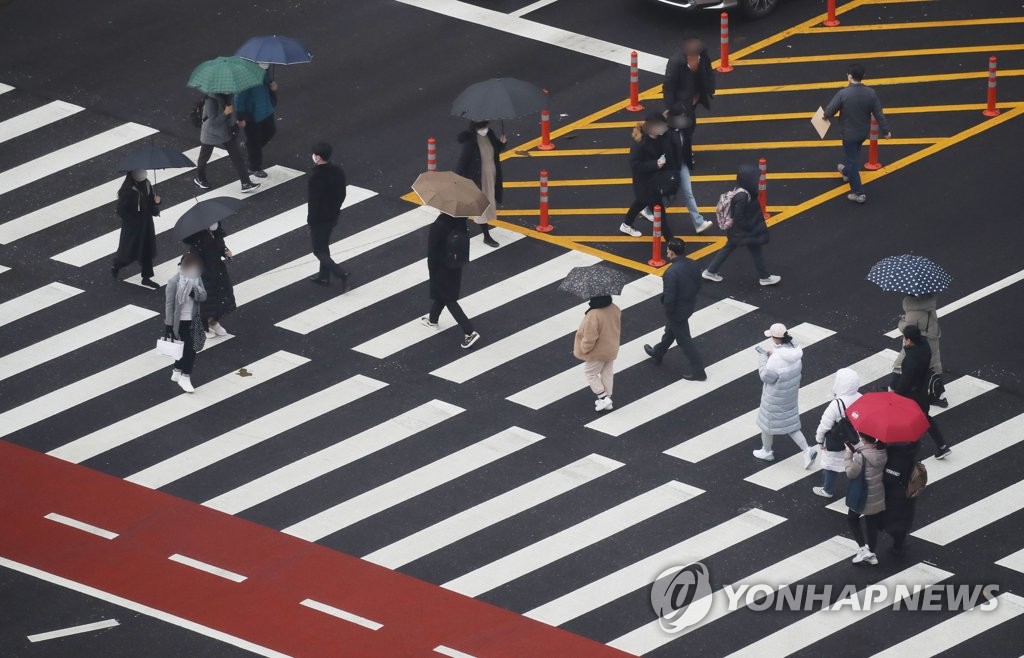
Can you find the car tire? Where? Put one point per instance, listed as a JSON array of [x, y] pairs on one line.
[[758, 8]]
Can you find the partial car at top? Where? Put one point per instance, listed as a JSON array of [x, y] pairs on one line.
[[752, 8]]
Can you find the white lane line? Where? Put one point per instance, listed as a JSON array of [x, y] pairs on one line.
[[35, 301], [341, 614], [412, 484], [88, 388], [545, 34], [500, 352], [350, 247], [256, 431], [5, 88], [72, 339], [1013, 561], [208, 568], [141, 609], [569, 381], [4, 268], [480, 302], [84, 202], [973, 297], [37, 118], [840, 615], [74, 630], [259, 233], [69, 156], [451, 653], [974, 517], [106, 244], [172, 410], [504, 506], [644, 572], [81, 525], [533, 6], [780, 575], [333, 457], [669, 398], [956, 630], [375, 291], [583, 534]]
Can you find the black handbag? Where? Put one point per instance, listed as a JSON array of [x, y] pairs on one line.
[[841, 433]]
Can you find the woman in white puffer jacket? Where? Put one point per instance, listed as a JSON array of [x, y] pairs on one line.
[[780, 370], [845, 391]]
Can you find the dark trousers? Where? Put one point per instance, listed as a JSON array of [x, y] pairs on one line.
[[679, 332], [935, 433], [257, 135], [188, 354], [755, 252], [899, 541], [871, 521], [639, 205], [145, 262], [235, 153], [320, 233], [851, 162], [436, 306]]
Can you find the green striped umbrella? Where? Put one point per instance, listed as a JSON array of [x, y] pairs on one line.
[[226, 75]]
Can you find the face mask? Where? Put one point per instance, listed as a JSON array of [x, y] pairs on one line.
[[482, 132], [264, 66], [139, 175], [214, 226]]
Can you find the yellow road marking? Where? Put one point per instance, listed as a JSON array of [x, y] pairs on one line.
[[707, 178], [1010, 20], [796, 29], [874, 82], [739, 146], [920, 52]]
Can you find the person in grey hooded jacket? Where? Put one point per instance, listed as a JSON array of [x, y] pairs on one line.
[[869, 455], [845, 392], [780, 370], [220, 128]]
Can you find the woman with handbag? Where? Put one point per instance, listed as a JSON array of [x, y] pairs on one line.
[[865, 495], [184, 294], [647, 158], [831, 436]]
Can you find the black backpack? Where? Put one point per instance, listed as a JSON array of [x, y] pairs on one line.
[[195, 115], [667, 182], [936, 388], [841, 433], [456, 249]]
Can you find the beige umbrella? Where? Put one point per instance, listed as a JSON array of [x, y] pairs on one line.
[[450, 193]]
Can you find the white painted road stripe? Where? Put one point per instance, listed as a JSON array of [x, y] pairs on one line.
[[533, 6], [341, 614], [632, 353], [974, 517], [37, 118], [5, 88], [504, 506], [35, 301], [84, 202], [208, 568], [791, 570], [255, 432], [821, 624], [415, 483], [568, 541], [1013, 561], [93, 250], [956, 630], [669, 398], [500, 352], [81, 525], [172, 410], [69, 156], [141, 609], [375, 291], [72, 339], [480, 302], [74, 630], [644, 572], [333, 457], [451, 653]]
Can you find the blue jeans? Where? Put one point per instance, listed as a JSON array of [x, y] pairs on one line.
[[851, 155], [828, 481], [686, 193]]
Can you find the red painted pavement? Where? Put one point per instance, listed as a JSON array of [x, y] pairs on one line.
[[281, 571]]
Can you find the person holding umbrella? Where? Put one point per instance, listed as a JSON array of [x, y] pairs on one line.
[[208, 244], [912, 382], [254, 108], [681, 283], [920, 311], [899, 507], [182, 302], [137, 203], [220, 128], [480, 162]]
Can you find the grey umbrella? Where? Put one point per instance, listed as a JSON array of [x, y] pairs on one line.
[[594, 281], [910, 275], [204, 214], [499, 98]]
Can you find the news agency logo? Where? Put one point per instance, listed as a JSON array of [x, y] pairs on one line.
[[681, 596]]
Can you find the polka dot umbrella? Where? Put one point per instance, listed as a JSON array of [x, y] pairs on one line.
[[910, 275]]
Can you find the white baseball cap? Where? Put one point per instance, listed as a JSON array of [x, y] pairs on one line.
[[777, 330]]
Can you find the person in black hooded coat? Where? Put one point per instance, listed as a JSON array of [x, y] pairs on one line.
[[220, 293], [446, 277], [899, 509], [137, 204]]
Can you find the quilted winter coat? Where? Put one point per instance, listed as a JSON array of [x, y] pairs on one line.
[[780, 373]]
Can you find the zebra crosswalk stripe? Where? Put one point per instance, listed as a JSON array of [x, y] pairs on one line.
[[37, 118], [35, 301]]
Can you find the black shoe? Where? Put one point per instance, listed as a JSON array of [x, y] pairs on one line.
[[651, 352], [941, 402], [943, 452], [898, 552], [344, 282], [250, 187], [490, 242], [258, 173], [320, 282], [695, 377], [201, 182], [150, 283], [114, 269]]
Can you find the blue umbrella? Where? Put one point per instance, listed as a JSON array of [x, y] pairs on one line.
[[910, 275], [274, 50]]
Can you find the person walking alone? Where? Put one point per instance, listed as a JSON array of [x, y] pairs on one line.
[[748, 229], [220, 128], [327, 189], [255, 110], [447, 254], [856, 104], [182, 299], [681, 283], [679, 151], [647, 158], [912, 381], [136, 205], [868, 458], [213, 252], [689, 80], [780, 370], [480, 162], [845, 391], [597, 345]]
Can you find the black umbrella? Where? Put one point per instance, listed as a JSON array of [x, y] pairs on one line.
[[154, 157], [204, 214], [910, 275], [499, 98], [594, 281]]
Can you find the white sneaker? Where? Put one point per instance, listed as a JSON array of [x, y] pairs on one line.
[[871, 558], [209, 333], [842, 172], [857, 198], [809, 456], [218, 329], [770, 281], [185, 382], [766, 455], [469, 340], [175, 375], [629, 230], [603, 404], [820, 491], [712, 276], [703, 227], [425, 321], [648, 214], [864, 554]]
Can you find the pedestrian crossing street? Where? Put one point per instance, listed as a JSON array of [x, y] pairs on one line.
[[485, 471]]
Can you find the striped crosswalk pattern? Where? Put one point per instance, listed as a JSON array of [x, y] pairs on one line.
[[975, 516], [37, 118], [35, 301]]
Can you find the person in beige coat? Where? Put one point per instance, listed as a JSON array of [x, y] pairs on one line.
[[869, 455], [597, 345], [920, 311]]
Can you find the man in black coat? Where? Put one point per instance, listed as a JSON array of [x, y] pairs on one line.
[[689, 79], [326, 196], [899, 509], [912, 381], [681, 283]]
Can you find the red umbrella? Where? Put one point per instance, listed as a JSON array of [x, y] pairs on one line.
[[888, 417]]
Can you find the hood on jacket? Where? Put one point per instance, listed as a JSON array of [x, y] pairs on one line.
[[847, 383], [876, 456], [748, 177], [919, 303], [788, 353]]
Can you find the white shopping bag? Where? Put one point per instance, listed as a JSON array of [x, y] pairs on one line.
[[170, 347]]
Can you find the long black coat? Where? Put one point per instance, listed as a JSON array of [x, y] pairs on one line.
[[912, 382], [220, 294], [643, 162], [682, 84], [470, 163], [136, 206], [748, 219], [899, 510], [445, 282], [326, 193]]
